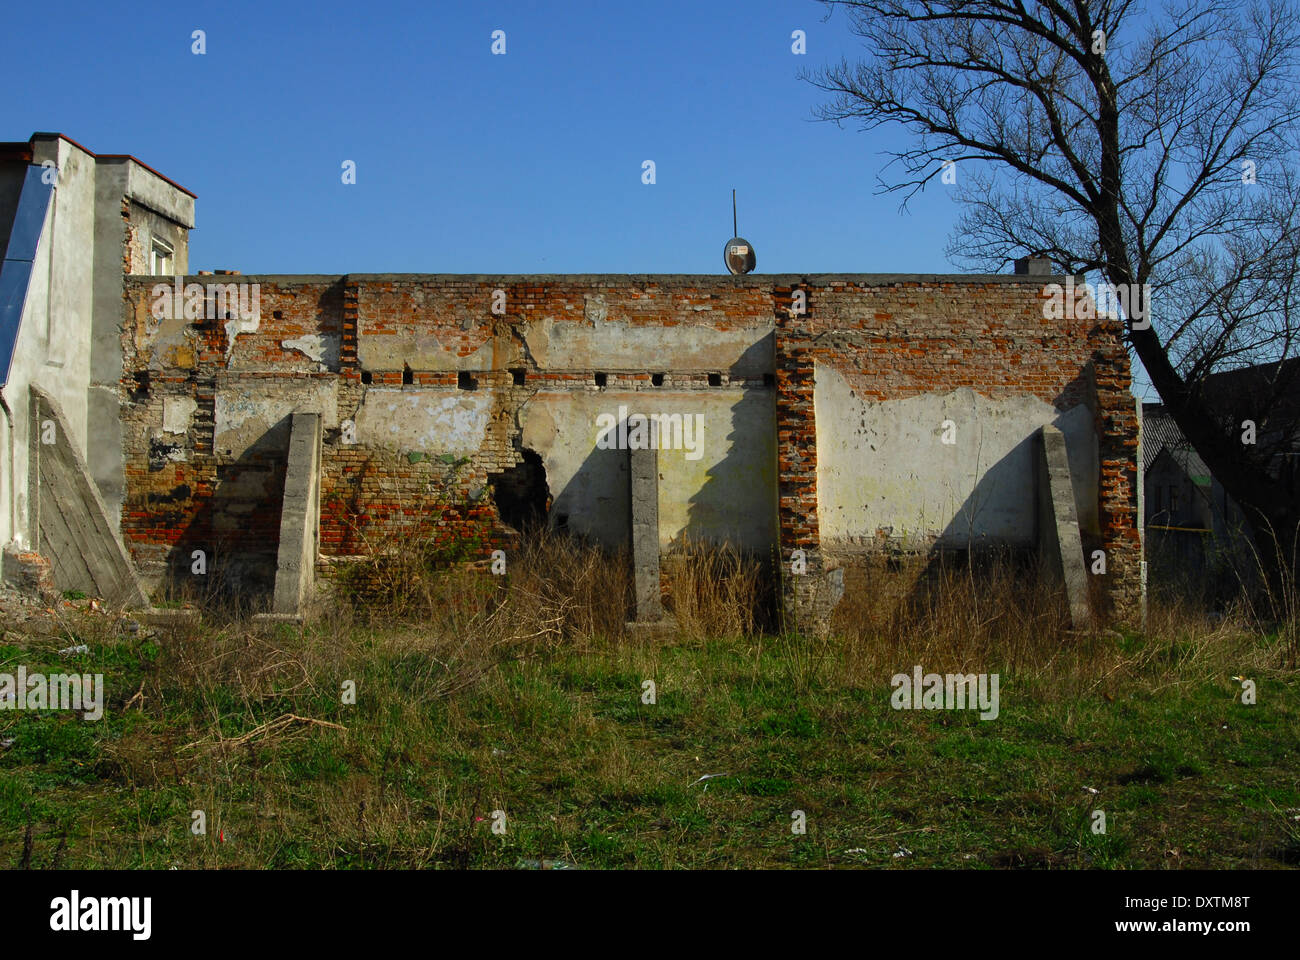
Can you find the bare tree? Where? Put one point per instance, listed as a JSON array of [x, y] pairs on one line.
[[1139, 146]]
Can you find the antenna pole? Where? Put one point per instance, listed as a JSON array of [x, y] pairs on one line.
[[734, 232]]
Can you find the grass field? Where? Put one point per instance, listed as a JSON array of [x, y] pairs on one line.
[[473, 701]]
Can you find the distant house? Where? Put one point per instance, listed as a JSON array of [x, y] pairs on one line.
[[1188, 514], [1181, 493], [1269, 395]]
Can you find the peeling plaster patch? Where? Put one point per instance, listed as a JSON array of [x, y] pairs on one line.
[[596, 308], [168, 342], [614, 344], [422, 352], [540, 429], [319, 347], [244, 418], [432, 421], [536, 338], [235, 326], [177, 412]]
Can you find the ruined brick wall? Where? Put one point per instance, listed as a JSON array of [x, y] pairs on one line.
[[375, 353], [189, 485], [432, 387], [892, 343]]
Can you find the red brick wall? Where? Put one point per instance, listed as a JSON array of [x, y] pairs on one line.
[[888, 338], [908, 337]]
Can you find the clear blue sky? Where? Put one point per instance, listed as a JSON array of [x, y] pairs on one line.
[[469, 162]]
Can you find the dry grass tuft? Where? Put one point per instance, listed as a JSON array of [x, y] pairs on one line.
[[716, 591]]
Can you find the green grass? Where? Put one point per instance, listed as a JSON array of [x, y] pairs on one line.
[[559, 740]]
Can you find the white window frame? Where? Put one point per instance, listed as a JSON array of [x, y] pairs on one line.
[[161, 250]]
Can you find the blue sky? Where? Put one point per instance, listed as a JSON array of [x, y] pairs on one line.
[[469, 162]]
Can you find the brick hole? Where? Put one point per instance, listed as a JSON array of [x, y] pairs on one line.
[[657, 379], [602, 379], [465, 381], [715, 379], [407, 375], [517, 376], [367, 376], [769, 380], [520, 493], [277, 314]]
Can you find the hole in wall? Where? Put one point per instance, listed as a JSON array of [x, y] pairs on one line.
[[601, 379], [277, 314], [715, 379], [141, 390], [657, 379], [517, 376], [769, 379], [520, 493], [465, 381], [366, 376], [407, 375]]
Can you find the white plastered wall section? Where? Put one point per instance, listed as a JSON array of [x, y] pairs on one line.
[[885, 475], [53, 344], [722, 490]]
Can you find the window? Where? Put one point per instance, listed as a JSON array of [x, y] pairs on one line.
[[161, 261]]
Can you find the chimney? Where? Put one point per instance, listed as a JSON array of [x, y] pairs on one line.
[[1035, 266]]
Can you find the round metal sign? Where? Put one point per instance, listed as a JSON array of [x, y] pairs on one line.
[[738, 255]]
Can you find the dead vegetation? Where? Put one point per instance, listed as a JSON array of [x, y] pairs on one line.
[[521, 693]]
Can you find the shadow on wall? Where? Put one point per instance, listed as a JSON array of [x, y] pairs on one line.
[[237, 529], [737, 502], [1001, 509], [727, 493], [595, 504], [1006, 498]]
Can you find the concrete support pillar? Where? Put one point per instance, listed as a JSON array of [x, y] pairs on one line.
[[1059, 544], [643, 470], [299, 519]]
